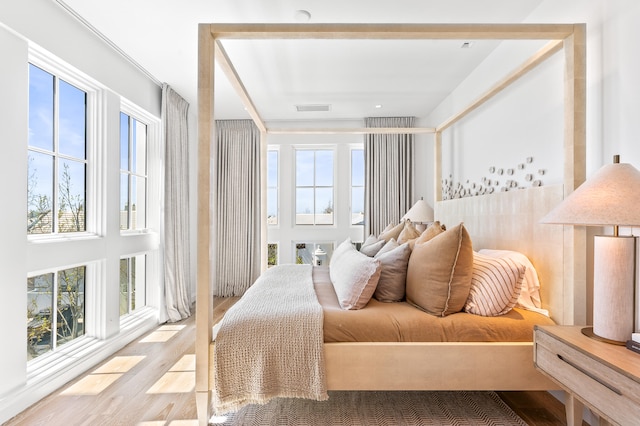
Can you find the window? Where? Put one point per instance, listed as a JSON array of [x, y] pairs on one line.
[[133, 173], [357, 187], [313, 253], [314, 187], [132, 283], [55, 301], [272, 254], [272, 187], [57, 159]]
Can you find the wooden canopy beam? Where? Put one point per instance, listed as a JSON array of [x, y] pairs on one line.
[[393, 31]]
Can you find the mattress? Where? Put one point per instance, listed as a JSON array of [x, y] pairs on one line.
[[403, 322]]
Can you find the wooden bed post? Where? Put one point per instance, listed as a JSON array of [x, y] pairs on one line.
[[575, 238], [206, 232]]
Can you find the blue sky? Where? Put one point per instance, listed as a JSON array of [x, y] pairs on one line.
[[71, 131]]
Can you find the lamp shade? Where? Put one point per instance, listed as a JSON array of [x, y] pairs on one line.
[[421, 212], [609, 198]]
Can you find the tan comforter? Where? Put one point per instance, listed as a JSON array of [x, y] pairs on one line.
[[269, 344], [402, 322]]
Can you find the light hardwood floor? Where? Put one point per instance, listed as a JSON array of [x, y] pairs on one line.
[[150, 382]]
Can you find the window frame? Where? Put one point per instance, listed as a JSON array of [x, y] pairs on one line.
[[276, 149], [133, 113], [314, 148], [94, 103], [352, 148]]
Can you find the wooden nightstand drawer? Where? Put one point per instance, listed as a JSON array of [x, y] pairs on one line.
[[589, 378]]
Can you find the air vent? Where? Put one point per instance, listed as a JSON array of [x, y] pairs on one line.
[[313, 108]]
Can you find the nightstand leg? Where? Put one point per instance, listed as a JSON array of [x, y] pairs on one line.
[[574, 410]]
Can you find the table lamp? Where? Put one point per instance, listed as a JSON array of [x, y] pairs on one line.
[[611, 197], [420, 214]]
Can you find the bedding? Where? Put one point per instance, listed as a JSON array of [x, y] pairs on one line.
[[269, 344], [402, 322]]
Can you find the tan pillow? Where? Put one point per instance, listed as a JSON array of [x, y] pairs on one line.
[[432, 230], [393, 232], [409, 233], [439, 272], [496, 284], [354, 276], [393, 274]]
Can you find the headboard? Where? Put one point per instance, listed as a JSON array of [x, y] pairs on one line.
[[511, 221]]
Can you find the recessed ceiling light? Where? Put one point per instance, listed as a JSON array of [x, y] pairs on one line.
[[466, 45], [379, 106], [302, 15]]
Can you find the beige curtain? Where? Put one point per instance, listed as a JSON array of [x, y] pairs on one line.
[[238, 199], [176, 205], [388, 173]]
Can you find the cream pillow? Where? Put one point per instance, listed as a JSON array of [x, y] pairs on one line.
[[390, 245], [439, 272], [393, 232], [372, 245], [393, 275], [354, 276], [495, 285], [409, 233]]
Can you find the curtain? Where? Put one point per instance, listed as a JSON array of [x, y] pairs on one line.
[[176, 205], [238, 216], [388, 173]]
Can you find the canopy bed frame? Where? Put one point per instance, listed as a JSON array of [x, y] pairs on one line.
[[559, 257]]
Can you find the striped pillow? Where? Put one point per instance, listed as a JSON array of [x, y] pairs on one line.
[[495, 285]]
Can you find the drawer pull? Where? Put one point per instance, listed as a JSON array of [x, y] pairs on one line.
[[586, 373]]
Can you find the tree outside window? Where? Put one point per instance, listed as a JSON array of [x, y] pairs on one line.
[[55, 310]]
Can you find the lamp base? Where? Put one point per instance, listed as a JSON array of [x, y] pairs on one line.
[[588, 331]]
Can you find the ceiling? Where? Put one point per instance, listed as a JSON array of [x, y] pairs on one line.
[[355, 78]]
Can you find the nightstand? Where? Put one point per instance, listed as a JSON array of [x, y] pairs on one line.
[[603, 376]]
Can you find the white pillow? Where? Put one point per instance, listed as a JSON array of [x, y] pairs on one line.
[[530, 294], [496, 283], [354, 276], [340, 250]]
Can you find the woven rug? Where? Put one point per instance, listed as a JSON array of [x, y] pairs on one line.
[[380, 408]]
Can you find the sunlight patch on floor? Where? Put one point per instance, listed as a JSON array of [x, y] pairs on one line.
[[172, 423], [181, 377], [186, 363], [92, 384], [119, 364], [158, 336]]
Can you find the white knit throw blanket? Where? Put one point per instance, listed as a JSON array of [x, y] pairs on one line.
[[270, 343]]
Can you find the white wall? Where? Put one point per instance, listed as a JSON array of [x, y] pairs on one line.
[[43, 23], [527, 112]]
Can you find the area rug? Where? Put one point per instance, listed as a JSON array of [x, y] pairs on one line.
[[381, 408]]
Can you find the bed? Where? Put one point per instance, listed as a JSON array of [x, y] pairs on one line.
[[498, 221]]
